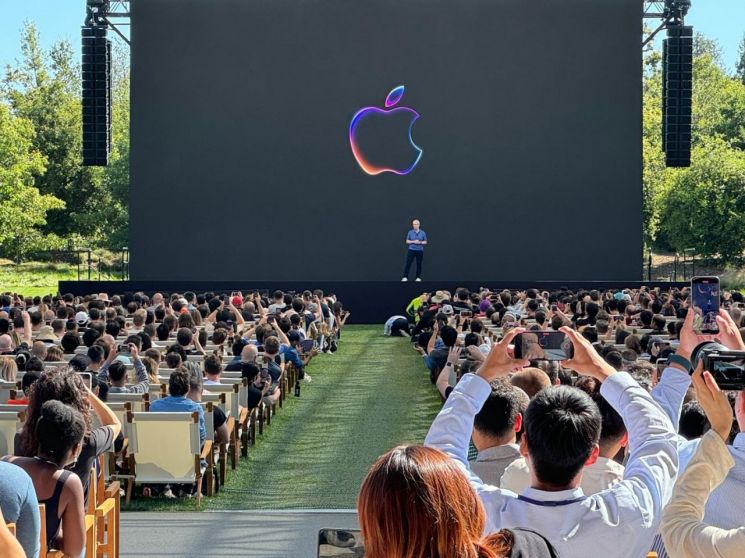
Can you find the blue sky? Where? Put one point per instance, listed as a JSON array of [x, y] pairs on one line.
[[723, 20]]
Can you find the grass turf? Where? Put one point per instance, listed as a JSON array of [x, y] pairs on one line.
[[370, 396]]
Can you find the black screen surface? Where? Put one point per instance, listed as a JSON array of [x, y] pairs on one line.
[[529, 125]]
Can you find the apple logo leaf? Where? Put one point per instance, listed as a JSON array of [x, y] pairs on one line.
[[394, 96]]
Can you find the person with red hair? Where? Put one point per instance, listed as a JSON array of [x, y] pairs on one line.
[[416, 502]]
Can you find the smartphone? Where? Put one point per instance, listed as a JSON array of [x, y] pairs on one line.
[[338, 543], [466, 313], [705, 300], [123, 350], [87, 379], [617, 318], [543, 345]]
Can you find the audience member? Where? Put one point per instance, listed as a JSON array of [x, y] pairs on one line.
[[562, 431], [415, 502], [59, 433]]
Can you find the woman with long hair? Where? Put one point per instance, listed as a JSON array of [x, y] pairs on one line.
[[416, 502], [59, 434], [68, 387], [8, 369]]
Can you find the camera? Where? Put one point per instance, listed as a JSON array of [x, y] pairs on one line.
[[725, 365]]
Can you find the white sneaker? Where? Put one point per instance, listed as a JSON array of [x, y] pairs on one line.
[[418, 280], [404, 279]]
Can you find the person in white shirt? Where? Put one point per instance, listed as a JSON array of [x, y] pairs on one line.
[[685, 534], [212, 370], [495, 429], [562, 429], [602, 474]]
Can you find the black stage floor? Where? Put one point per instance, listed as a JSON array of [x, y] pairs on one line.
[[370, 302]]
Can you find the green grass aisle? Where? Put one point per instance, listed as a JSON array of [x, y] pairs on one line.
[[371, 395]]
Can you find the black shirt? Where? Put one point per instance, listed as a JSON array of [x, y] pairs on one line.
[[218, 417]]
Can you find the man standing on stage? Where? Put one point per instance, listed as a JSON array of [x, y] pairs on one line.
[[415, 240]]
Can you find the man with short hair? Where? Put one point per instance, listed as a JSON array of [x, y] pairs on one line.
[[114, 372], [602, 474], [531, 381], [179, 384], [186, 338], [248, 354], [561, 437], [213, 370], [495, 429], [416, 240]]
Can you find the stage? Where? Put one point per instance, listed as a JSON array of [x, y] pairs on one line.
[[370, 302]]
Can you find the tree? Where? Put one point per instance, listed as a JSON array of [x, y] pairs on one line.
[[740, 66], [718, 129], [704, 206], [45, 89], [23, 209]]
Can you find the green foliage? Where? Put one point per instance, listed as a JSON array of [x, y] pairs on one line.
[[23, 210], [44, 88], [704, 207], [698, 207]]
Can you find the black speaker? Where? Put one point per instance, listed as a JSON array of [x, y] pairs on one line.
[[96, 80], [677, 94]]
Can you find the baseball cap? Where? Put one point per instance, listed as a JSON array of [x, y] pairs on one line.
[[237, 300], [618, 295], [81, 318], [447, 309]]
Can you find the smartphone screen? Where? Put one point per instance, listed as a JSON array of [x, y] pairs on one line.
[[705, 300], [543, 345], [87, 379]]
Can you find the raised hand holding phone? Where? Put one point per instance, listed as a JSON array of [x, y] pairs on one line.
[[586, 360], [499, 362]]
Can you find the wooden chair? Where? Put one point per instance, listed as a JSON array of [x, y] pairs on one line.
[[90, 537], [104, 510], [10, 423], [237, 416], [137, 400], [164, 448]]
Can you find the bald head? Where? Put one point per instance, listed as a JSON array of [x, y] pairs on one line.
[[249, 353], [531, 380]]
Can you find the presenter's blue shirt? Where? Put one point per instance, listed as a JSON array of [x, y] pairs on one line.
[[416, 235]]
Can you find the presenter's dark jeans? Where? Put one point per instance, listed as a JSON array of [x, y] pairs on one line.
[[412, 255]]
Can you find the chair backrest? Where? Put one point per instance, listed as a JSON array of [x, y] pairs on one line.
[[209, 419], [5, 408], [136, 399], [5, 389], [120, 409], [10, 423], [231, 396], [165, 446]]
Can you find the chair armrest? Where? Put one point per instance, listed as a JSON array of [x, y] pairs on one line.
[[112, 489], [206, 449], [106, 507], [243, 416]]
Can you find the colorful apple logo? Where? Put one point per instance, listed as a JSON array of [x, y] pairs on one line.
[[385, 123]]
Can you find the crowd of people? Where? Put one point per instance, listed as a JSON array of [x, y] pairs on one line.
[[64, 355], [624, 448]]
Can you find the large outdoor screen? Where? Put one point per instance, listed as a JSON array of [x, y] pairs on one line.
[[297, 139]]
